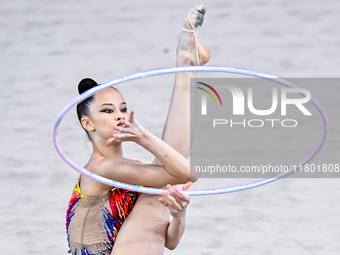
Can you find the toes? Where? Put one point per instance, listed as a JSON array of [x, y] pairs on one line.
[[200, 8], [188, 41], [196, 16]]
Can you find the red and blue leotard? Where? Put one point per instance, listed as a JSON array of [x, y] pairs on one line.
[[92, 223]]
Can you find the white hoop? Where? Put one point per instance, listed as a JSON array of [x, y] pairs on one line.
[[104, 180]]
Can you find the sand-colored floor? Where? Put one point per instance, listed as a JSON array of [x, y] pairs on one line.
[[48, 46]]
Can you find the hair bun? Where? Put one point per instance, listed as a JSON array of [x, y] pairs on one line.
[[86, 84]]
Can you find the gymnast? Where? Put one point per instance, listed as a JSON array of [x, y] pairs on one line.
[[97, 211]]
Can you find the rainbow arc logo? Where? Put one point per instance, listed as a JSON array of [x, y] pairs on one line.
[[209, 93], [204, 97]]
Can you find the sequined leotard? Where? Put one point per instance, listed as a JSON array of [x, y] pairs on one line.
[[92, 223]]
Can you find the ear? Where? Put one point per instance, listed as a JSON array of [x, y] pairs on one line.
[[87, 124]]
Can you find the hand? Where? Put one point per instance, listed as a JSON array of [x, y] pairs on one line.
[[129, 132], [177, 202]]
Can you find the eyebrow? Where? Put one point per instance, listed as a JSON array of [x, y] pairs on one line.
[[111, 104]]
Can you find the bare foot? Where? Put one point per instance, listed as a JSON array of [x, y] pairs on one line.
[[186, 48]]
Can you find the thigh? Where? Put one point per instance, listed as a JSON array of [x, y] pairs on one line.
[[144, 231]]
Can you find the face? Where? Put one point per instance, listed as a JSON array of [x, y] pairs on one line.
[[105, 112]]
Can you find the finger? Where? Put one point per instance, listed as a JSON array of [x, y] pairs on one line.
[[110, 140], [125, 128], [119, 136], [174, 212], [165, 202], [165, 196], [119, 128], [177, 193], [123, 122], [172, 190], [181, 198], [176, 203], [169, 206], [173, 206], [171, 201], [132, 113], [187, 185]]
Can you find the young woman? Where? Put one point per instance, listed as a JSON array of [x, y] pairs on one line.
[[97, 211]]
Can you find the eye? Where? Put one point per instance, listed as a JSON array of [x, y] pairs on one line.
[[107, 110], [124, 109]]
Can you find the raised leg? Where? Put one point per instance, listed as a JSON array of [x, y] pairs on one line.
[[177, 126], [144, 231]]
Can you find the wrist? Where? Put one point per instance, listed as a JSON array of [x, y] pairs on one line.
[[145, 138], [180, 216]]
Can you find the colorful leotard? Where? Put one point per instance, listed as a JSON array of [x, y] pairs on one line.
[[92, 223]]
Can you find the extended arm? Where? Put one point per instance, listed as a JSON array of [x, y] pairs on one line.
[[177, 203]]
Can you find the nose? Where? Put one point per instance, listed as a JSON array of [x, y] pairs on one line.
[[120, 117]]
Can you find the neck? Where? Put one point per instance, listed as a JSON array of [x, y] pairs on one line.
[[113, 150]]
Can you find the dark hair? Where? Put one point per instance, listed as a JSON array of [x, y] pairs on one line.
[[83, 108]]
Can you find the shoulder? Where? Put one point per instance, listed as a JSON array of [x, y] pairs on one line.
[[105, 164], [134, 161], [131, 171]]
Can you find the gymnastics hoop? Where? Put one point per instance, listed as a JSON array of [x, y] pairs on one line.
[[135, 76]]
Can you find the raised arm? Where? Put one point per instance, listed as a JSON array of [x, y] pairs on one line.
[[175, 168]]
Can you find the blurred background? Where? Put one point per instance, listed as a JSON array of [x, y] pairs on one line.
[[47, 47]]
